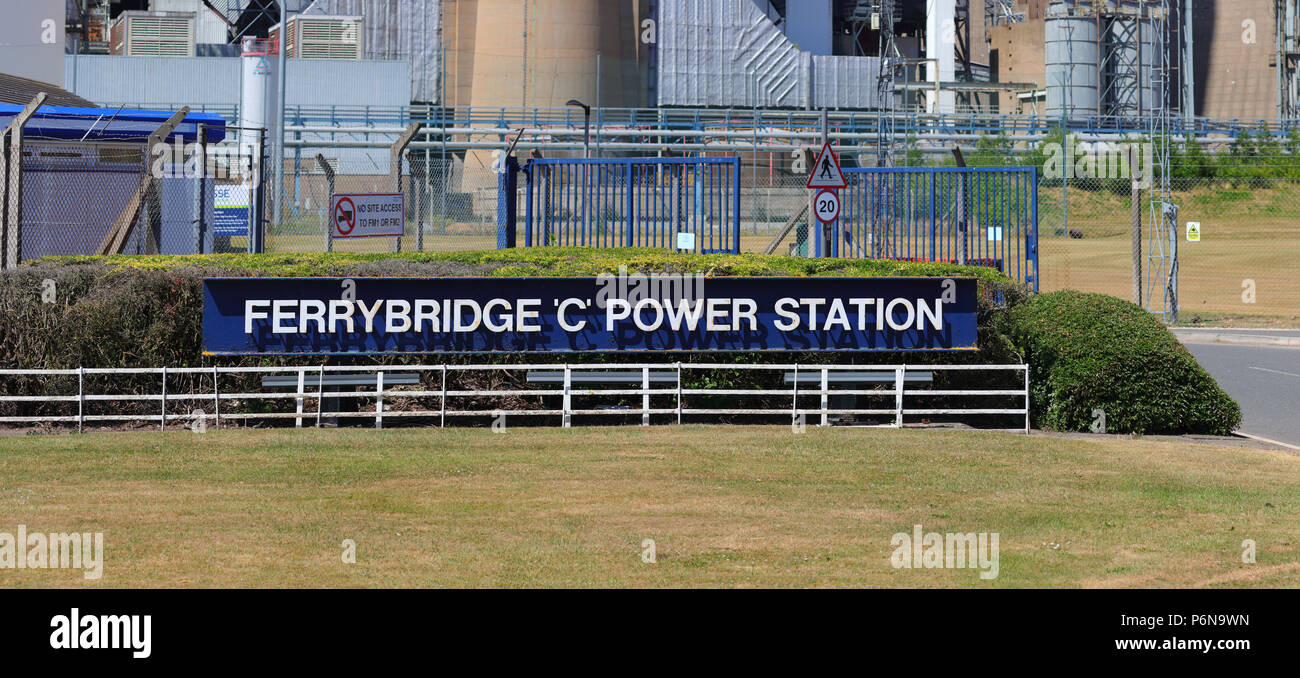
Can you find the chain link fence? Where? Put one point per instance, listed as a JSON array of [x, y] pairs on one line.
[[449, 204], [1241, 266], [82, 198]]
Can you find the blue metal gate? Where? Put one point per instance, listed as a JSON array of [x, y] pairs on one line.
[[633, 202], [982, 216]]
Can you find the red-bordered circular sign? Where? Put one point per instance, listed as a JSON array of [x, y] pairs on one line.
[[345, 216], [826, 204]]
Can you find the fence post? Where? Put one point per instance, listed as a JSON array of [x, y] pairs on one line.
[[627, 211], [442, 416], [645, 395], [528, 204], [379, 399], [794, 401], [4, 200], [257, 224], [11, 220], [395, 171], [825, 397], [899, 374], [568, 401], [1033, 243], [329, 217], [961, 219], [735, 186], [216, 398], [81, 399], [679, 394], [934, 227], [162, 421], [200, 187], [320, 394], [302, 377], [1026, 366], [507, 203]]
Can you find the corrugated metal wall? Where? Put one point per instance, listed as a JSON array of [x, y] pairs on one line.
[[728, 53], [410, 30], [845, 82], [215, 80]]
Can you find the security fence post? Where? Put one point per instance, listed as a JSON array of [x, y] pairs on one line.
[[200, 188], [12, 218]]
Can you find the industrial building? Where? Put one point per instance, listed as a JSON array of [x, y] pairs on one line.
[[936, 72], [1078, 58]]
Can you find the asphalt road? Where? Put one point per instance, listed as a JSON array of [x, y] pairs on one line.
[[1265, 380]]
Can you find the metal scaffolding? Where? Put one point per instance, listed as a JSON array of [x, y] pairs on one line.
[[1162, 237], [1287, 20], [889, 57], [1001, 13]]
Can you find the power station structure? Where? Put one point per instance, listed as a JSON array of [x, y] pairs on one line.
[[1120, 59], [879, 78], [1037, 59]]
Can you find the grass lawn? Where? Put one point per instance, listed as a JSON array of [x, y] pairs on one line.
[[726, 506]]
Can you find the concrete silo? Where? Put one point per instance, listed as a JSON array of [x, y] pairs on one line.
[[1072, 54]]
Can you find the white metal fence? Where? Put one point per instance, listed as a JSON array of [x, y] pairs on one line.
[[431, 392]]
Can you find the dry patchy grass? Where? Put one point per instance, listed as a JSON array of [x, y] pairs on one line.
[[726, 506]]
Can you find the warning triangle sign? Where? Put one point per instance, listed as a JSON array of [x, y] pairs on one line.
[[826, 172]]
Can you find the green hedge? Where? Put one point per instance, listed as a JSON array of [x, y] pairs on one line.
[[146, 311], [532, 261], [1094, 352], [1087, 351]]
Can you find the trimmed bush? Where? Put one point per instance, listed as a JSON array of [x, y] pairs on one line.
[[146, 311], [1095, 352], [1087, 351]]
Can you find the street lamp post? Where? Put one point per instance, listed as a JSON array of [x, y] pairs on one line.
[[586, 154], [586, 126]]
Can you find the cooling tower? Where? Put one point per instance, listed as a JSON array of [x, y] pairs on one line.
[[543, 53]]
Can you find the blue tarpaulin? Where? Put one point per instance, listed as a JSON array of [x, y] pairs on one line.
[[66, 123]]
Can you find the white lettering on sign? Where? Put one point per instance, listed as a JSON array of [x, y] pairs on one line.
[[367, 215], [718, 314]]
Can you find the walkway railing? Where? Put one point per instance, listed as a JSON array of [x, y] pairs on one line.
[[919, 122]]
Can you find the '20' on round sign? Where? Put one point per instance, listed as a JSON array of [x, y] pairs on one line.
[[826, 204]]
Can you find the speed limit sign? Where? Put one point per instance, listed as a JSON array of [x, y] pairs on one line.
[[827, 205]]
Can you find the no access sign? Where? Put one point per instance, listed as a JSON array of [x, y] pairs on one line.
[[367, 215]]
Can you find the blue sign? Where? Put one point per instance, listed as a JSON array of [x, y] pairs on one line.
[[604, 314], [230, 210]]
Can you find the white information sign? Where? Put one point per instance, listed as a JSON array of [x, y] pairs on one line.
[[367, 215]]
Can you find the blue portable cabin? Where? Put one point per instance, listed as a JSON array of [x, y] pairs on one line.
[[81, 166]]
